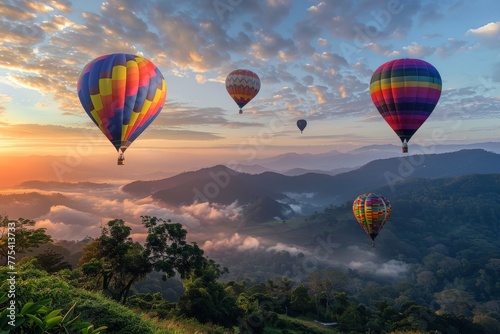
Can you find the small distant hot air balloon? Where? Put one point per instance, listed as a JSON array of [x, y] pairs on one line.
[[371, 211], [405, 92], [122, 94], [301, 124], [242, 86]]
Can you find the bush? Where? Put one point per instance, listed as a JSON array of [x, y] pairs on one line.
[[33, 285]]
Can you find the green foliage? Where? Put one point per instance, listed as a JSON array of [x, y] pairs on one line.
[[92, 308], [301, 302], [115, 260], [26, 237], [168, 250], [153, 304], [52, 262], [36, 317], [206, 299]]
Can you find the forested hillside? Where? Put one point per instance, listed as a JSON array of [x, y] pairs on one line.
[[435, 267]]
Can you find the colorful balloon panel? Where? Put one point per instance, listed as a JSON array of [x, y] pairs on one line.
[[122, 94], [242, 85], [371, 211], [301, 124], [405, 92]]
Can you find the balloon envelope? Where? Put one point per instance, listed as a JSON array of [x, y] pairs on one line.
[[301, 124], [242, 85], [122, 94], [405, 92], [371, 211]]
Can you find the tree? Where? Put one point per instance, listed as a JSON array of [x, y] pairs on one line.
[[301, 301], [206, 299], [324, 285], [168, 251], [115, 261], [52, 262], [19, 236]]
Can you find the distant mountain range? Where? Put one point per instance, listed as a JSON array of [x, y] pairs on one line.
[[334, 162], [303, 194]]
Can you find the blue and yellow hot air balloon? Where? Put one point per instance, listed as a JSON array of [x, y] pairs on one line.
[[122, 94]]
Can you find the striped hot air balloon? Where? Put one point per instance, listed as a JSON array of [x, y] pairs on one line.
[[242, 86], [371, 211], [405, 92], [122, 94]]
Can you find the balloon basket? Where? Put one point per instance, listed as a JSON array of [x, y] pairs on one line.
[[405, 149], [121, 160]]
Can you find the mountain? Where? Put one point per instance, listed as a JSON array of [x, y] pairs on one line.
[[334, 160], [301, 171], [265, 209], [308, 192]]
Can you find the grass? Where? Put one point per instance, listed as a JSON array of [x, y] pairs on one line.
[[299, 325], [183, 326]]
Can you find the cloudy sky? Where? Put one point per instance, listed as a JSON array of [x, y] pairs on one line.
[[315, 60]]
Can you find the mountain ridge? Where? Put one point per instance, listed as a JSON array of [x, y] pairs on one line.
[[220, 184]]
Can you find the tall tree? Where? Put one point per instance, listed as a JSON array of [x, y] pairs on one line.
[[115, 261], [19, 236], [168, 250]]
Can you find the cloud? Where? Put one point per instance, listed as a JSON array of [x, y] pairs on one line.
[[416, 50], [272, 45], [213, 211], [451, 47], [69, 216], [495, 74], [284, 247], [489, 34], [147, 207], [63, 222], [62, 231], [201, 79], [365, 261], [4, 99], [236, 241], [391, 268], [319, 92], [20, 33]]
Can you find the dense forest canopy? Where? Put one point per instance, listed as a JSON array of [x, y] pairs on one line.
[[435, 267]]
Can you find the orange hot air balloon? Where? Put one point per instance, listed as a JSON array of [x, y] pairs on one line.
[[242, 86]]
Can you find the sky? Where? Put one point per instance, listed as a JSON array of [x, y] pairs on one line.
[[315, 60]]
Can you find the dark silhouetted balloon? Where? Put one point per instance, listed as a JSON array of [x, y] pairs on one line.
[[301, 124]]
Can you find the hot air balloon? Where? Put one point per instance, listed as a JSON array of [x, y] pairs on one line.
[[122, 94], [243, 86], [405, 92], [301, 124], [371, 212]]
